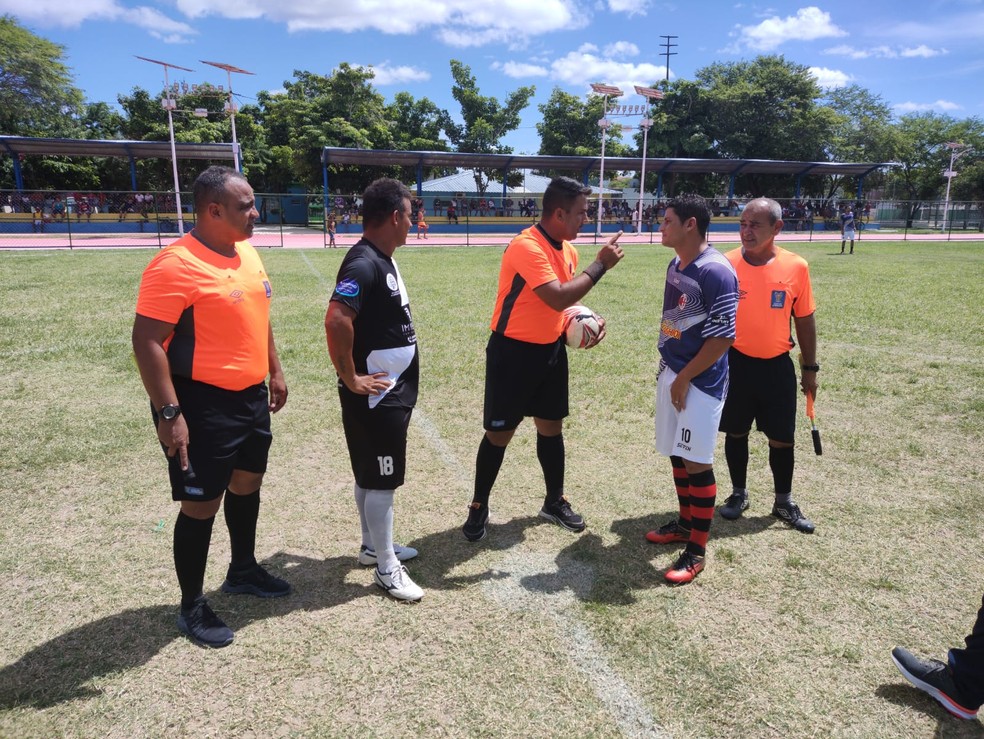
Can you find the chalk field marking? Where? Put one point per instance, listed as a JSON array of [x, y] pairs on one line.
[[534, 583]]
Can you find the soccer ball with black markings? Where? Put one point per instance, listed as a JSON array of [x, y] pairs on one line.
[[581, 327]]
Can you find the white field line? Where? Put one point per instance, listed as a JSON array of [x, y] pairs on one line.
[[533, 582], [540, 584]]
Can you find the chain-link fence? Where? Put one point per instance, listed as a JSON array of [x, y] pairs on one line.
[[54, 219]]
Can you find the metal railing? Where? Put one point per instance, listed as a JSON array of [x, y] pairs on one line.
[[53, 219]]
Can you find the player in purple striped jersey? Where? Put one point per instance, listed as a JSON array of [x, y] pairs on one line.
[[700, 300]]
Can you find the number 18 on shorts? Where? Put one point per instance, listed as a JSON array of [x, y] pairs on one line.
[[377, 442]]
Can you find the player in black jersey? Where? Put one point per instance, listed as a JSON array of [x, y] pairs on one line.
[[373, 346]]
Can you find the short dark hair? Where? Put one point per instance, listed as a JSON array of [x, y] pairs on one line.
[[381, 198], [561, 193], [210, 185], [692, 206]]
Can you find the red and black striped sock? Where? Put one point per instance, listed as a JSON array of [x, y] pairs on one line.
[[703, 491], [681, 481]]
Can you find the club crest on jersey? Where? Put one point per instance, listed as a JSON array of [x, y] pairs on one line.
[[347, 288], [391, 281], [778, 299], [682, 302]]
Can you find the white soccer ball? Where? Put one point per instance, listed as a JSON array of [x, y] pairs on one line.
[[581, 326]]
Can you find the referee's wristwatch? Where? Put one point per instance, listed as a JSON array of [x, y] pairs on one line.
[[810, 367], [170, 411]]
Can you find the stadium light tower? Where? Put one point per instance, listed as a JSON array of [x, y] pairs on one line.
[[169, 104], [957, 150], [650, 93], [231, 105], [607, 91]]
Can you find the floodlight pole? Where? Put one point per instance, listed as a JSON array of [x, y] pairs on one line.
[[169, 104], [231, 105], [650, 94], [957, 150], [603, 124]]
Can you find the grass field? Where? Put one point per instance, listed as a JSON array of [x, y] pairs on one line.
[[534, 631]]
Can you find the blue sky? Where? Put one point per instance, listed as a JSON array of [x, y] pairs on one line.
[[918, 56]]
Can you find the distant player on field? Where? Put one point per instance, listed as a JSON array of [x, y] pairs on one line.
[[774, 286], [526, 358], [697, 327]]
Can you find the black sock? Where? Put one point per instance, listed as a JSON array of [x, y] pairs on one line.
[[191, 539], [781, 462], [736, 454], [241, 513], [550, 452], [487, 464]]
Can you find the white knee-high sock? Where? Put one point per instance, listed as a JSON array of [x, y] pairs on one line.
[[379, 518], [360, 503]]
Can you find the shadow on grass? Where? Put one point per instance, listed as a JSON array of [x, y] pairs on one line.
[[443, 551], [619, 569], [59, 670], [624, 567], [909, 697]]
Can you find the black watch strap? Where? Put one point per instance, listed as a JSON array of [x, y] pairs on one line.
[[810, 367], [169, 412]]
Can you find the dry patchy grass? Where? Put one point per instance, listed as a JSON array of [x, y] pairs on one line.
[[534, 631]]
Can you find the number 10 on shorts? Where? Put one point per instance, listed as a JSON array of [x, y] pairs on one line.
[[385, 465]]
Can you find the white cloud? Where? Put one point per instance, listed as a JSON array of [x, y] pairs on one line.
[[581, 68], [947, 28], [622, 49], [830, 78], [460, 23], [922, 51], [883, 52], [807, 25], [942, 105], [521, 70], [72, 14], [629, 7], [384, 74]]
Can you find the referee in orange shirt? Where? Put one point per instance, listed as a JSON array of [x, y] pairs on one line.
[[774, 288], [526, 358], [204, 346]]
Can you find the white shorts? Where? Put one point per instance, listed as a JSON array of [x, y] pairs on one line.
[[692, 432]]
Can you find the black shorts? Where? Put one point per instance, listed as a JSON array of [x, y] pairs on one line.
[[227, 430], [377, 441], [760, 390], [523, 379]]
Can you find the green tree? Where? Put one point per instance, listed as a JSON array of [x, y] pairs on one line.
[[968, 185], [417, 125], [569, 127], [486, 120], [37, 97], [918, 149], [766, 108], [341, 109], [862, 133]]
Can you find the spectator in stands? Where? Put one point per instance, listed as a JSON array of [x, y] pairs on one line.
[[452, 213], [508, 205]]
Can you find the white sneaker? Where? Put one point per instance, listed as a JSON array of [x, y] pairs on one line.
[[398, 584], [367, 556]]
